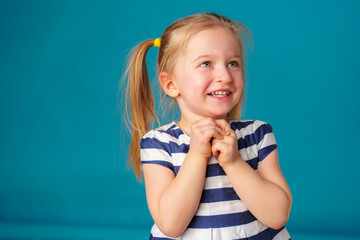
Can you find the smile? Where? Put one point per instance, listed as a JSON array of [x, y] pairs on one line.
[[220, 94]]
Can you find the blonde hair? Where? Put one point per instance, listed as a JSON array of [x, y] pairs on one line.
[[139, 95]]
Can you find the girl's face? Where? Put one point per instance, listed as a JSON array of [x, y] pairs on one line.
[[209, 75]]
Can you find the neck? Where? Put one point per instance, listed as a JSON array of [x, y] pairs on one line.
[[186, 122]]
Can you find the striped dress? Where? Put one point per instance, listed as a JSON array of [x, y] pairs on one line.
[[221, 214]]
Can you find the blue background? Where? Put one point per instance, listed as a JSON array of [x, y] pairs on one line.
[[63, 147]]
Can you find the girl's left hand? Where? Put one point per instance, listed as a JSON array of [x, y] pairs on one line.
[[226, 149]]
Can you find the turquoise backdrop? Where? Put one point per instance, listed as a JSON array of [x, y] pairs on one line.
[[63, 148]]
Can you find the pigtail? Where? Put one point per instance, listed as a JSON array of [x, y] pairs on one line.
[[140, 99]]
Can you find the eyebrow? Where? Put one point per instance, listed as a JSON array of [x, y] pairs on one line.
[[203, 56], [213, 56]]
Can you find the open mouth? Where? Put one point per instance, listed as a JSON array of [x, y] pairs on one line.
[[219, 94]]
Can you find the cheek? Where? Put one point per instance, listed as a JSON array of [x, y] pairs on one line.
[[197, 82], [239, 82]]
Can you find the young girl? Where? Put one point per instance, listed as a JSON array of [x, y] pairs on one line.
[[208, 175]]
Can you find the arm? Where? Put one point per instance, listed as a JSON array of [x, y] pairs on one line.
[[265, 192], [173, 200]]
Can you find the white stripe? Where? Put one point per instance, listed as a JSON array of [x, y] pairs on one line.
[[151, 154], [166, 137], [283, 235], [217, 182], [246, 130], [161, 136], [220, 208], [189, 234], [250, 129], [268, 139], [178, 158], [155, 231], [254, 228], [252, 151], [243, 231], [183, 138], [257, 124], [235, 232], [212, 160], [197, 234], [249, 152]]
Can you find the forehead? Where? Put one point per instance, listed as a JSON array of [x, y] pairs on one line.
[[213, 41]]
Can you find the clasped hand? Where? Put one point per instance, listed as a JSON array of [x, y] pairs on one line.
[[214, 137]]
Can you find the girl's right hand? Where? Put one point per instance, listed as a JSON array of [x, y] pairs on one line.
[[201, 134]]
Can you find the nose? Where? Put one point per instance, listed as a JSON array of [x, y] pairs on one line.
[[222, 74]]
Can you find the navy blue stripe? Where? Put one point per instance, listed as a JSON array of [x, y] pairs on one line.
[[218, 195], [173, 132], [169, 165], [159, 162], [157, 238], [266, 151], [253, 163], [220, 221], [239, 125], [171, 147], [176, 169], [254, 138], [214, 170], [166, 164], [262, 131], [264, 235], [267, 234], [274, 232]]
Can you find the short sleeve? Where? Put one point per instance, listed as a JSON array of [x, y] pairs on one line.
[[265, 139], [155, 150]]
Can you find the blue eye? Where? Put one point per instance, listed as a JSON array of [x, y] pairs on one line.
[[206, 64], [234, 64]]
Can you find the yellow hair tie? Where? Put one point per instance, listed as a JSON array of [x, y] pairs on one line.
[[157, 42]]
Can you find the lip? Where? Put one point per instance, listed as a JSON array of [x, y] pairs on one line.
[[220, 91]]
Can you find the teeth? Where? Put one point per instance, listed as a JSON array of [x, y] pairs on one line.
[[220, 94]]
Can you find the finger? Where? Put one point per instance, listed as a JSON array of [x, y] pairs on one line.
[[230, 139], [217, 147], [211, 129], [215, 152], [224, 125], [207, 133], [218, 133]]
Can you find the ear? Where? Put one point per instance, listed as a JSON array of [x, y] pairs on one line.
[[167, 82]]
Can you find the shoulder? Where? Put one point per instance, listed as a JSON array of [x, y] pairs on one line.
[[165, 135], [163, 146]]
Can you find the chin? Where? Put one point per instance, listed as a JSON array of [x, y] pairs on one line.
[[219, 116]]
